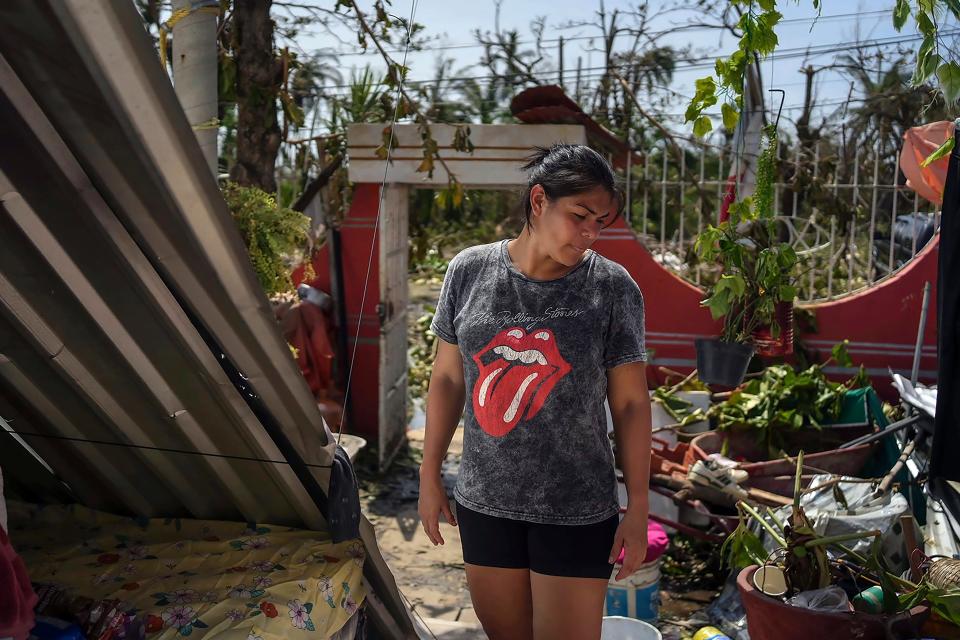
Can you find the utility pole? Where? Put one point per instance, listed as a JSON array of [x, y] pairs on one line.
[[576, 91], [195, 71], [560, 78]]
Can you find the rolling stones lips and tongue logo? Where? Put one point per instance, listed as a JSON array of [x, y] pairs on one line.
[[518, 370]]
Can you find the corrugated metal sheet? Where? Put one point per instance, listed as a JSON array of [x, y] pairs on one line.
[[103, 266]]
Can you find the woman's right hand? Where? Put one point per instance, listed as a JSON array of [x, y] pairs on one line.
[[433, 501]]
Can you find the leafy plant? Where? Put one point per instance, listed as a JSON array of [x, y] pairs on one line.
[[272, 234], [783, 401], [758, 38], [800, 550], [758, 269]]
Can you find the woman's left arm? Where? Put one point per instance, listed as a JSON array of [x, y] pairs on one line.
[[630, 407]]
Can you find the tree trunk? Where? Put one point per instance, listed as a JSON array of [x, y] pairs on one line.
[[195, 73], [259, 76], [805, 134]]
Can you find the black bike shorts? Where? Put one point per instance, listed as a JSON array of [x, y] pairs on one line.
[[573, 551]]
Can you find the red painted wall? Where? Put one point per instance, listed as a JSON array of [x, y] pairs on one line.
[[880, 322]]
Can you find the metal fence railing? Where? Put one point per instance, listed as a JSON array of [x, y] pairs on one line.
[[853, 221]]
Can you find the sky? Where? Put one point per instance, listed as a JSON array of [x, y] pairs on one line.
[[450, 24]]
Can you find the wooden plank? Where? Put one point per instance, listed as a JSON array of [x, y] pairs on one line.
[[499, 152]]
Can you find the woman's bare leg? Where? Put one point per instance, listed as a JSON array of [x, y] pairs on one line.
[[569, 608], [501, 600]]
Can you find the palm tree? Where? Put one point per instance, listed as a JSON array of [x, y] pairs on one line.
[[890, 103], [310, 76], [439, 107], [486, 102]]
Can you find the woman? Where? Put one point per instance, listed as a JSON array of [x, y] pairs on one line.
[[540, 330]]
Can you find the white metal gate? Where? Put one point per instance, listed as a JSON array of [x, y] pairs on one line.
[[392, 310]]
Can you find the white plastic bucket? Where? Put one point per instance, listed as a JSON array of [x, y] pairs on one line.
[[618, 628], [637, 596]]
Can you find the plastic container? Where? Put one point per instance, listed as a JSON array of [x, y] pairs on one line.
[[869, 600], [710, 633], [619, 628], [637, 596], [723, 363]]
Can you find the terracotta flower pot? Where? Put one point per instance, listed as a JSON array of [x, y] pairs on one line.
[[772, 619]]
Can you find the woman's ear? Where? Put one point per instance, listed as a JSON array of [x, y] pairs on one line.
[[538, 200]]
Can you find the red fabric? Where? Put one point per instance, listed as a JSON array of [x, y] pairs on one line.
[[18, 599], [305, 327]]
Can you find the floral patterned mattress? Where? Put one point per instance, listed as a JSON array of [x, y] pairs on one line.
[[196, 578]]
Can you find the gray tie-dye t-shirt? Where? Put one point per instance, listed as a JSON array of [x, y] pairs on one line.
[[535, 356]]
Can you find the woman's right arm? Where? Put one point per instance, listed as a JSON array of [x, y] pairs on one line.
[[445, 399]]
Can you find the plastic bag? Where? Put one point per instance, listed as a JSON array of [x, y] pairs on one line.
[[726, 612], [851, 507], [831, 598]]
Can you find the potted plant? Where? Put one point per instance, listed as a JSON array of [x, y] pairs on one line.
[[800, 557], [755, 291]]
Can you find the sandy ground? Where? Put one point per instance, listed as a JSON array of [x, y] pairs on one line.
[[431, 577]]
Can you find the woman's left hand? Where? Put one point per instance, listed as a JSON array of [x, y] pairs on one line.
[[631, 536]]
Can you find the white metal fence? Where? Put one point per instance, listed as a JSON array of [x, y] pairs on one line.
[[839, 214]]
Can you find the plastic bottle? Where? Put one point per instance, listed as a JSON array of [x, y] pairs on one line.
[[710, 633]]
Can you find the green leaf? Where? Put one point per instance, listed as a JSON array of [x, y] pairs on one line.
[[927, 61], [719, 304], [941, 152], [900, 14], [721, 67], [947, 604], [840, 354], [733, 283], [705, 96], [949, 76], [702, 126], [924, 23], [704, 87], [788, 293], [743, 548], [730, 115], [767, 5]]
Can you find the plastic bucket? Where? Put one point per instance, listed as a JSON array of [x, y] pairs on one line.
[[636, 597], [618, 628]]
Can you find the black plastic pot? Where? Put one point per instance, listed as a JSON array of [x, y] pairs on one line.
[[723, 363]]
